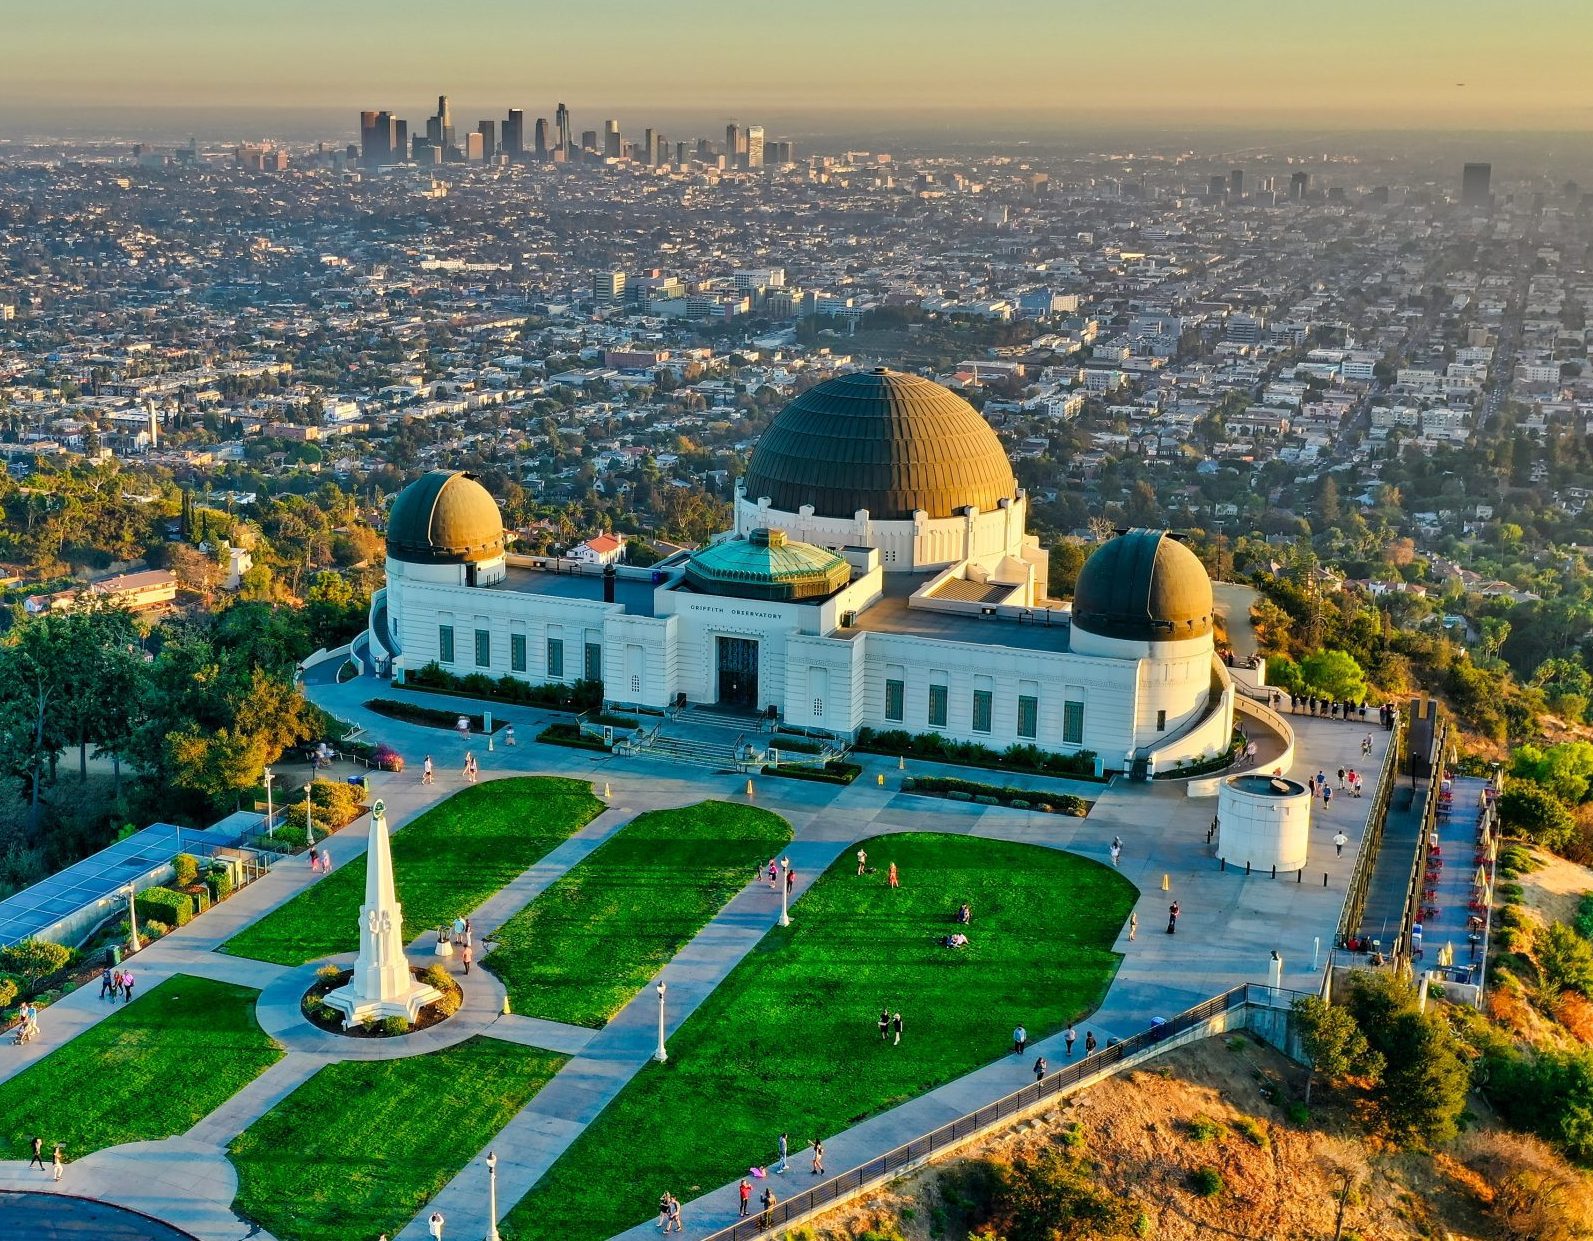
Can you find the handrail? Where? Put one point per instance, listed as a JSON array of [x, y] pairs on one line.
[[1401, 947], [1372, 841], [958, 1131]]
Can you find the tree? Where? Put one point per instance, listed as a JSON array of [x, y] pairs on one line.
[[1565, 959], [1424, 1084], [34, 959], [1535, 812], [1334, 674], [1333, 1041], [1067, 558], [1328, 509], [1566, 770]]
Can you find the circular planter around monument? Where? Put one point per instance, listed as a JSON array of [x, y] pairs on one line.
[[326, 1018]]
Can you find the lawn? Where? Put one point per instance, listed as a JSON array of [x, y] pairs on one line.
[[789, 1040], [445, 863], [363, 1145], [152, 1069], [583, 948]]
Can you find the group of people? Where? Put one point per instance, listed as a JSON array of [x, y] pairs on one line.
[[471, 769], [463, 935], [27, 1027], [320, 860], [758, 1173], [57, 1159], [889, 1022], [116, 984], [1328, 708], [892, 878]]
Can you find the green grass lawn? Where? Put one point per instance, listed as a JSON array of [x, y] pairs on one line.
[[789, 1040], [445, 863], [363, 1145], [582, 949], [152, 1069]]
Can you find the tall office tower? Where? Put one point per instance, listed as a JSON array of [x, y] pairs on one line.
[[680, 155], [1217, 186], [445, 125], [1475, 180], [611, 139], [514, 134], [487, 130], [561, 119], [780, 152], [1236, 183], [542, 145], [368, 140], [589, 142], [754, 146], [650, 148], [476, 147], [608, 287], [434, 131], [1299, 183], [400, 141], [705, 149], [735, 146]]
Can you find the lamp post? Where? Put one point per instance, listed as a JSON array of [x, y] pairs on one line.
[[785, 888], [309, 813], [492, 1196], [661, 1055], [270, 827], [132, 920]]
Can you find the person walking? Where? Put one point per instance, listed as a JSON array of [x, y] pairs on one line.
[[1020, 1040], [459, 930], [892, 878], [1339, 841], [116, 985], [326, 860], [675, 1224], [315, 860], [896, 1024], [1117, 851], [1069, 1037], [58, 1161], [790, 880], [38, 1154], [105, 984], [818, 1157], [1133, 926], [1327, 798], [1089, 1043], [745, 1190], [663, 1209], [768, 1199], [466, 956], [508, 734], [785, 1151], [884, 1024], [1341, 778], [434, 1225], [1040, 1068], [1172, 918], [862, 861], [425, 770], [127, 986]]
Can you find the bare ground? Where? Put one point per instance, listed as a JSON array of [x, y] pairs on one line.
[[1136, 1130]]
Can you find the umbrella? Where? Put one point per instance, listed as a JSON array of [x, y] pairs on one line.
[[1482, 877], [1446, 955]]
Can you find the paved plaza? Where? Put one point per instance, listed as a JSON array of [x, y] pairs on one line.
[[1230, 925]]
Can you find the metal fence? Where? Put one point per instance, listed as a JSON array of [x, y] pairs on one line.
[[1414, 883], [883, 1168], [1372, 842]]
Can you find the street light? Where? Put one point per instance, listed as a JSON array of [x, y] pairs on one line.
[[785, 888], [492, 1196], [132, 920], [660, 1055], [309, 813], [269, 776]]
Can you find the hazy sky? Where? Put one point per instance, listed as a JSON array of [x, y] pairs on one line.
[[1524, 63]]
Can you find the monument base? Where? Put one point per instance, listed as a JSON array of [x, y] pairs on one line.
[[357, 1011]]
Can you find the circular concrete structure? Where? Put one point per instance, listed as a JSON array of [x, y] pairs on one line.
[[1263, 821]]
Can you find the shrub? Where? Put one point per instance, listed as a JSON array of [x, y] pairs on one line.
[[1297, 1113], [1564, 958], [329, 973], [1424, 1083], [1583, 921], [8, 992], [436, 976], [833, 772], [219, 881], [391, 1026], [959, 795], [936, 748], [1204, 1129], [579, 696], [1537, 1196], [34, 959], [163, 905], [152, 930], [1252, 1132], [1051, 1196], [186, 866], [1206, 1182], [984, 799], [336, 804], [385, 758], [1533, 811], [571, 735]]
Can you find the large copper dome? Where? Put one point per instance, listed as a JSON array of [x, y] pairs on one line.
[[883, 441], [1143, 586], [444, 517]]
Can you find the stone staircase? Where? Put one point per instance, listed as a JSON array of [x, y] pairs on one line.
[[698, 751]]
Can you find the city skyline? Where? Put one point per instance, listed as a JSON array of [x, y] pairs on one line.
[[1456, 65]]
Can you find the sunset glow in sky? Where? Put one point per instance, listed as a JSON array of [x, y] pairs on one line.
[[1381, 63]]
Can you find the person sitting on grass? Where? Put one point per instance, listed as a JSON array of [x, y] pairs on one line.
[[964, 914], [959, 940]]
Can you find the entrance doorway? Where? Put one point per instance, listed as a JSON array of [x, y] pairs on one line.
[[738, 673]]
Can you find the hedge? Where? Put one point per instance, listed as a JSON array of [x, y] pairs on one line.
[[935, 748], [832, 772], [165, 906], [571, 735], [432, 717], [997, 795], [576, 696], [219, 881]]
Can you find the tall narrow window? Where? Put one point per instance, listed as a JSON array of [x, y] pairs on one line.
[[1161, 721], [937, 706], [1072, 723], [895, 700], [555, 657], [517, 652], [594, 661], [445, 644], [483, 649], [983, 700], [1028, 715]]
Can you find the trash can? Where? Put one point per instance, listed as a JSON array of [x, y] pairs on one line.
[[362, 783], [113, 955]]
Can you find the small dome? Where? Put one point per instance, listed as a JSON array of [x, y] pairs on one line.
[[1143, 586], [444, 517], [883, 441], [766, 565]]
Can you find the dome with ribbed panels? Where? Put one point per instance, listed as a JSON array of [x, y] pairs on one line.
[[1143, 586], [884, 441], [445, 517]]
